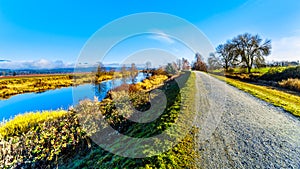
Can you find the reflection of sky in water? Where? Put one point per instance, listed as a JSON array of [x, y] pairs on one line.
[[55, 99]]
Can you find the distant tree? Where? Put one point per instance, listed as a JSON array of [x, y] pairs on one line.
[[251, 49], [124, 73], [259, 62], [199, 64], [123, 70], [214, 62], [14, 73], [179, 64], [171, 68], [100, 70], [133, 72], [185, 64], [148, 67], [227, 54]]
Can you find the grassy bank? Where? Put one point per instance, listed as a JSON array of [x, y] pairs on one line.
[[289, 102], [62, 142]]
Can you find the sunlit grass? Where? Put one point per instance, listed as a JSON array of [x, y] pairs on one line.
[[152, 82], [18, 85], [293, 84], [289, 102], [24, 122]]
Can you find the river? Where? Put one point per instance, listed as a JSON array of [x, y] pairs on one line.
[[61, 98]]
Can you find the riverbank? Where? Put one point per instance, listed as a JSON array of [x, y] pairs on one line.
[[10, 86], [63, 142]]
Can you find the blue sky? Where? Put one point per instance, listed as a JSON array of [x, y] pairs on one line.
[[52, 33]]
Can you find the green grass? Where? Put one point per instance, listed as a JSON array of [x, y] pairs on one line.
[[289, 102]]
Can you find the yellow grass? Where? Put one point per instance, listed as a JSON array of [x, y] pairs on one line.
[[23, 122], [293, 84], [289, 102], [18, 85], [152, 82]]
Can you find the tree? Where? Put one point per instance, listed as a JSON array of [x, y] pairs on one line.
[[185, 64], [250, 49], [227, 54], [148, 66], [199, 64], [100, 70], [124, 73], [171, 68], [214, 62], [179, 64], [133, 72]]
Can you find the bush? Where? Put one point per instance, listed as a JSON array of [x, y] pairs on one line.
[[44, 144], [159, 71]]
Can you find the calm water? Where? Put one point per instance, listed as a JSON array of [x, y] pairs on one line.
[[57, 99]]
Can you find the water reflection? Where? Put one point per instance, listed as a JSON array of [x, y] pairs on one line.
[[59, 98]]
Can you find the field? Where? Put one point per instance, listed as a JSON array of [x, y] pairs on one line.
[[45, 141]]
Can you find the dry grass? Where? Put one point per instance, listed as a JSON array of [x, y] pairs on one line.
[[293, 84], [152, 82], [18, 85]]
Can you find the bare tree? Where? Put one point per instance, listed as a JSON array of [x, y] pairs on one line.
[[227, 54], [133, 72], [171, 68], [214, 62], [185, 64], [124, 73], [179, 64], [148, 67], [250, 49], [199, 64]]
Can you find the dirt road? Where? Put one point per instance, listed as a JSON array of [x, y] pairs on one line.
[[238, 130]]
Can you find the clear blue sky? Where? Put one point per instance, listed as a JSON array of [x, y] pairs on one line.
[[51, 33]]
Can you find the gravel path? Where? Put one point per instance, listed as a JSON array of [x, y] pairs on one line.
[[238, 130]]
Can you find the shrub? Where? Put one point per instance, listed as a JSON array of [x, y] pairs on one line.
[[44, 144], [159, 71]]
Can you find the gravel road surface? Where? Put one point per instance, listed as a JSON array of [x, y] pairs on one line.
[[238, 130]]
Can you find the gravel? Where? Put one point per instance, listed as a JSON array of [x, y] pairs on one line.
[[238, 130]]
